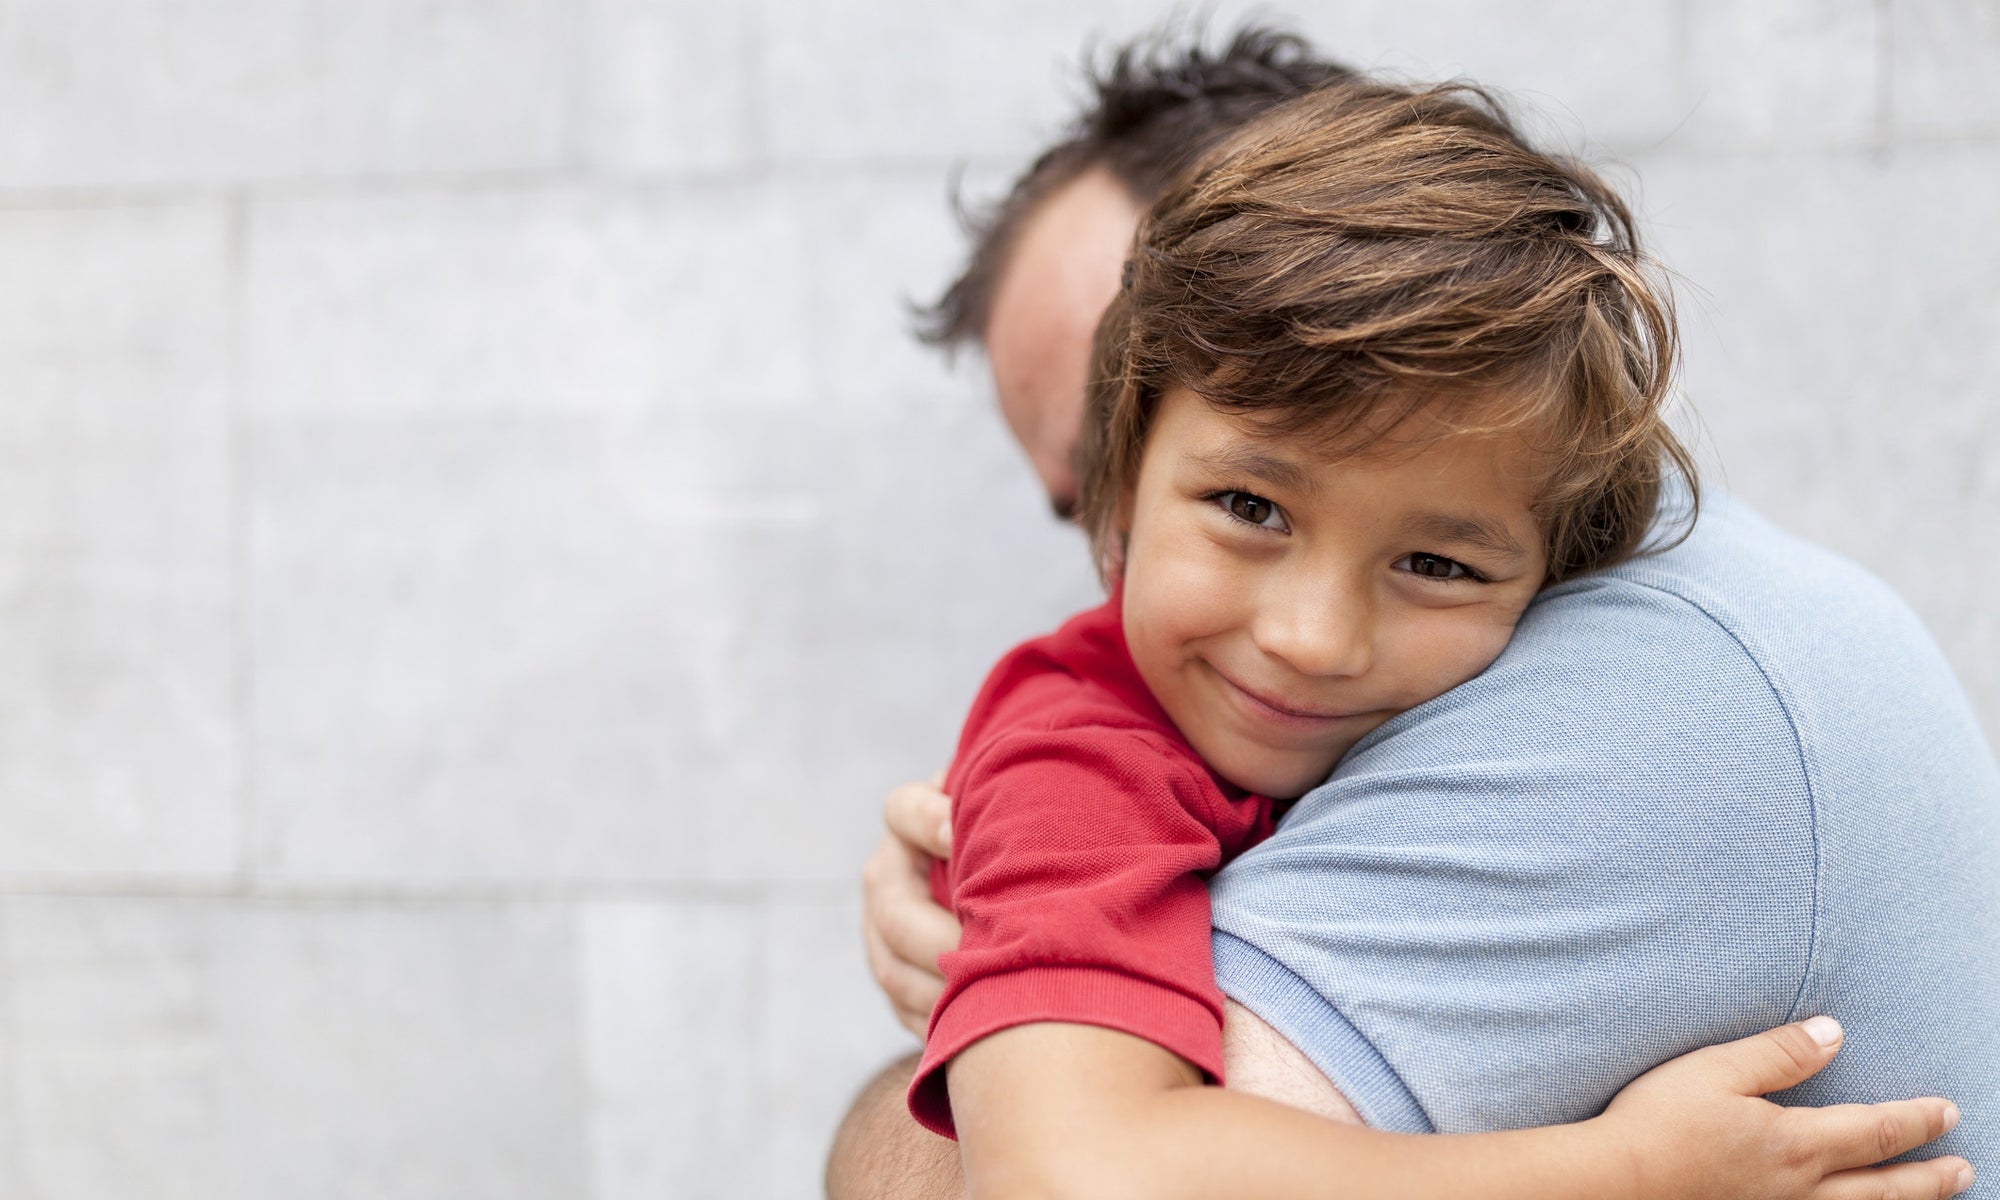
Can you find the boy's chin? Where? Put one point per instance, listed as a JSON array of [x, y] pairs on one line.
[[1275, 781]]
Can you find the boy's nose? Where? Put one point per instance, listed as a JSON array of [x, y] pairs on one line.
[[1317, 630]]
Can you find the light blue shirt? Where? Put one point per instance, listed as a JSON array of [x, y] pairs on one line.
[[1713, 790]]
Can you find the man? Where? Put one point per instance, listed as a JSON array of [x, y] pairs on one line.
[[1712, 791]]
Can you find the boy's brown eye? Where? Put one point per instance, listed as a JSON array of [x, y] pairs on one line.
[[1254, 509], [1436, 566]]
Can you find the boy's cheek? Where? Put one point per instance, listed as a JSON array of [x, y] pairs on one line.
[[1442, 656]]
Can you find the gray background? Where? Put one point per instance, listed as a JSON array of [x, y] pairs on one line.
[[476, 542]]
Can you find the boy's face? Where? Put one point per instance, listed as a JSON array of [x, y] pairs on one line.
[[1280, 606]]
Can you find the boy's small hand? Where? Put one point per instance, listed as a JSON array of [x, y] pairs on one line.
[[904, 929], [1698, 1127]]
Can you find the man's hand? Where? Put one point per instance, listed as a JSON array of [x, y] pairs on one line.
[[904, 929]]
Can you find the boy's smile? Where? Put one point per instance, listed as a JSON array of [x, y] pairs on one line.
[[1280, 605]]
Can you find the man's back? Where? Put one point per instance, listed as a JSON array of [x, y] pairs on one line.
[[1707, 792]]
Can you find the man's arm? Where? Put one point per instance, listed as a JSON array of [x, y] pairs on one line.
[[880, 1153], [1261, 1062]]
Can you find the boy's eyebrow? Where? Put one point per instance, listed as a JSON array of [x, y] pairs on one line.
[[1471, 531], [1248, 460]]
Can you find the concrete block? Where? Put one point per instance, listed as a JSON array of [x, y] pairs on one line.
[[118, 729], [407, 1053], [996, 80], [829, 1031], [876, 243], [13, 1150], [234, 1050], [853, 80], [118, 1060], [544, 300], [1942, 68], [473, 663], [867, 631], [724, 1041], [670, 85], [678, 648], [673, 1003], [1841, 353], [1585, 75], [156, 92], [1784, 74]]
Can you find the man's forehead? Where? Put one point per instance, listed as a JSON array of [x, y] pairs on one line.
[[1065, 263], [1061, 274]]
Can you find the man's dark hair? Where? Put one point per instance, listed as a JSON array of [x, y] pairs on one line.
[[1156, 107]]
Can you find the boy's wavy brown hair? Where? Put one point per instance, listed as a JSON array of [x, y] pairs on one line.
[[1371, 251]]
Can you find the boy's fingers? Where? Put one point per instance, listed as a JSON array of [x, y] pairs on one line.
[[919, 815], [1775, 1059], [1930, 1180], [1855, 1135]]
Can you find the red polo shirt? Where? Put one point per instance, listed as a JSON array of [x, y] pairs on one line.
[[1083, 830]]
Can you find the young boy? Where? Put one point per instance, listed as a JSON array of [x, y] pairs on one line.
[[1379, 372]]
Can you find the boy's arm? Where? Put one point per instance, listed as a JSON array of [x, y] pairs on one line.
[[879, 1153], [1052, 1111]]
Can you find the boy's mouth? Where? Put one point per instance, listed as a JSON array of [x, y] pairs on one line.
[[1277, 709]]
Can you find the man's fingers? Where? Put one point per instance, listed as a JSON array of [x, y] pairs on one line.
[[897, 906], [919, 815], [1855, 1135], [1906, 1181], [904, 929], [912, 994], [915, 929], [1773, 1060]]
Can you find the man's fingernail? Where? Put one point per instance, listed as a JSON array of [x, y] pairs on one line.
[[944, 834], [1824, 1030], [1951, 1115], [1964, 1178]]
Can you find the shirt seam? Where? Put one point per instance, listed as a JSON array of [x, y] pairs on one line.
[[1806, 773]]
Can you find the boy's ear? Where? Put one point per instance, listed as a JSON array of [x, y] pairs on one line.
[[1121, 520], [1112, 569]]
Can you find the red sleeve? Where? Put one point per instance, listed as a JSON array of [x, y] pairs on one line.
[[1078, 864]]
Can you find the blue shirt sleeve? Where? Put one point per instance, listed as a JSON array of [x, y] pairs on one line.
[[1511, 901]]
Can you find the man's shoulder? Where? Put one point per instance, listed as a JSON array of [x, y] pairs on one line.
[[1731, 574], [1741, 609], [1736, 608], [1624, 674], [1740, 661], [1743, 575]]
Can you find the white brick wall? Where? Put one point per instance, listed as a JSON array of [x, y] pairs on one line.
[[476, 540], [120, 748]]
